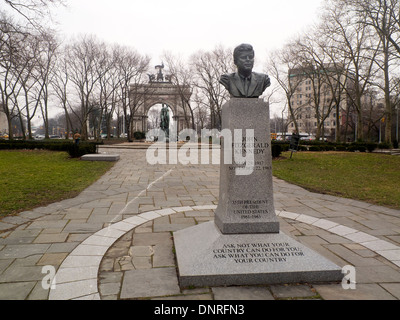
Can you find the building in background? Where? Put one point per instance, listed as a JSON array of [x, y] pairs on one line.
[[318, 100], [322, 103]]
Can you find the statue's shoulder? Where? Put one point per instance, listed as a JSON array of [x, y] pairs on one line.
[[226, 79], [260, 75], [263, 78]]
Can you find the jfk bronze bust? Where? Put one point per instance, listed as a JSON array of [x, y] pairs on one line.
[[245, 83]]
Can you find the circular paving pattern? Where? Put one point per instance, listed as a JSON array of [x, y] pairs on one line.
[[94, 269]]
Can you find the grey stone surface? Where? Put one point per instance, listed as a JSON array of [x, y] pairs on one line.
[[15, 291], [370, 291], [242, 293], [294, 291], [149, 283], [206, 257], [23, 250], [392, 288], [163, 256], [111, 288], [100, 157], [132, 181], [73, 290], [246, 203]]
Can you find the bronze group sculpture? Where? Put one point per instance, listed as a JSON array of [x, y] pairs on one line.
[[245, 83]]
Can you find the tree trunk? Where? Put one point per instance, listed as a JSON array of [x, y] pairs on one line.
[[388, 104]]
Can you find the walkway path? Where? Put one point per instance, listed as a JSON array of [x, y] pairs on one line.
[[114, 241]]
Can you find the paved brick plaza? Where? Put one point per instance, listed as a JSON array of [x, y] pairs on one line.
[[114, 241]]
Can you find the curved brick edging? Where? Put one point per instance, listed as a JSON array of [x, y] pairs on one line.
[[384, 248], [77, 276]]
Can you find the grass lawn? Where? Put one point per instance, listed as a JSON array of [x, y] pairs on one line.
[[31, 179], [370, 177]]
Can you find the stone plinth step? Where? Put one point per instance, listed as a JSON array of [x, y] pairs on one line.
[[206, 257], [100, 157]]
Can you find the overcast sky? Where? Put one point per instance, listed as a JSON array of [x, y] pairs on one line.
[[183, 27]]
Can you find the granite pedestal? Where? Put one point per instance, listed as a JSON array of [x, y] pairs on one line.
[[244, 245], [246, 191]]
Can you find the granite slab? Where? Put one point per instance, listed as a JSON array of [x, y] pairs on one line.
[[206, 257], [100, 157]]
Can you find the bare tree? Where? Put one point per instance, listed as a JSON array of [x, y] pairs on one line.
[[284, 67], [383, 16], [201, 113], [154, 119], [33, 11], [182, 78], [46, 65], [27, 68], [60, 85], [12, 38], [131, 68], [108, 84], [208, 68], [325, 73], [83, 55], [353, 39]]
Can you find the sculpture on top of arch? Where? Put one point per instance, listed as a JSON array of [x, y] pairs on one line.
[[159, 77]]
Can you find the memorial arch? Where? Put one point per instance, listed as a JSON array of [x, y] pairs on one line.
[[159, 90]]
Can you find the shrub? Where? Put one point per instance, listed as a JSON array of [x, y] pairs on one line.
[[283, 144], [73, 150], [76, 151], [341, 147], [276, 150], [362, 146], [285, 147], [329, 147], [357, 147], [395, 144], [314, 148], [138, 135], [384, 145], [352, 148], [371, 146]]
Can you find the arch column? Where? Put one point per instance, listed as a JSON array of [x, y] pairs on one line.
[[144, 123]]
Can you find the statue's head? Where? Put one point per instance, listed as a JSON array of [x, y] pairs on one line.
[[243, 57]]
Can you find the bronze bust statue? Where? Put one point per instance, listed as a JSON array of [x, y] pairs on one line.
[[245, 83]]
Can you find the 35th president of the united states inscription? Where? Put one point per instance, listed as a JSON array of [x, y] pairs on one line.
[[250, 208]]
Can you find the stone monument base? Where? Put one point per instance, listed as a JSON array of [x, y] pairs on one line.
[[206, 257], [246, 202], [100, 157]]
